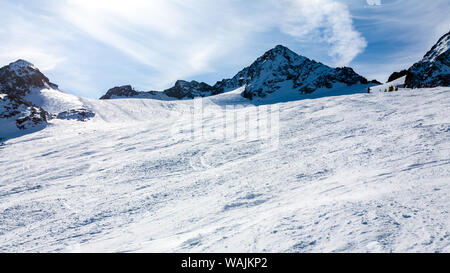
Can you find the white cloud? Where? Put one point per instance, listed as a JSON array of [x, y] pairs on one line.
[[400, 33], [178, 39], [374, 2], [23, 37], [184, 38], [325, 19], [43, 60]]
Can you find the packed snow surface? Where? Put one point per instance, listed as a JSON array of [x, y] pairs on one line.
[[359, 172]]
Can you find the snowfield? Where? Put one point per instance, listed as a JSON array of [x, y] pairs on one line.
[[359, 172]]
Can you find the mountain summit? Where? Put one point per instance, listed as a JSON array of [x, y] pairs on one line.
[[433, 70], [20, 77], [282, 68], [278, 68], [28, 100]]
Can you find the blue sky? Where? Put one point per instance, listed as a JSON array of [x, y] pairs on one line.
[[90, 46]]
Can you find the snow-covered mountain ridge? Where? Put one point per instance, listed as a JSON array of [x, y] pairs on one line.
[[281, 66], [277, 68], [433, 70], [279, 75]]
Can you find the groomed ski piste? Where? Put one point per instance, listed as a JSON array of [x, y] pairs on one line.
[[346, 173]]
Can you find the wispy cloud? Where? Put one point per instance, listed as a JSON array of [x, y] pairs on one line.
[[399, 33], [150, 44], [177, 39], [24, 37], [181, 39], [173, 38], [374, 2], [325, 19]]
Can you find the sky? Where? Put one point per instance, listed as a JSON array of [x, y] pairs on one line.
[[88, 47]]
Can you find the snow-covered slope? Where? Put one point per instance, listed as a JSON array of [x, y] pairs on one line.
[[52, 100], [278, 69], [360, 172], [434, 69]]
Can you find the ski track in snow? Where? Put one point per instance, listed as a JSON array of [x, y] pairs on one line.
[[362, 172]]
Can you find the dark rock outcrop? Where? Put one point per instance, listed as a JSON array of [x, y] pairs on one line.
[[120, 91], [81, 114], [184, 89], [397, 75], [21, 112], [16, 81], [181, 90]]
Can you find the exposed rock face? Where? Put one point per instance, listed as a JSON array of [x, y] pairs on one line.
[[397, 75], [16, 80], [22, 113], [181, 90], [120, 91], [277, 68], [184, 89], [76, 114], [434, 68], [19, 77]]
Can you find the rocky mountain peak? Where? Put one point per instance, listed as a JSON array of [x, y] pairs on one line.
[[280, 67], [434, 68], [19, 77], [440, 48], [21, 65], [278, 50], [280, 54]]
